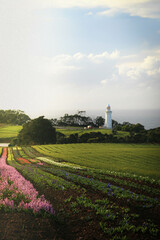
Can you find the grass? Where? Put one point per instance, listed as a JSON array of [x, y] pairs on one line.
[[139, 159], [81, 131], [8, 131]]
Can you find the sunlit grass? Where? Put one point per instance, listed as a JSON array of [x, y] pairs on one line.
[[140, 159], [9, 131], [81, 131]]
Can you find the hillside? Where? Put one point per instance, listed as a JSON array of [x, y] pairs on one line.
[[7, 132]]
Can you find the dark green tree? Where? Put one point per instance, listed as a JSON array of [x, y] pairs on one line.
[[74, 120], [37, 131], [137, 128], [17, 117], [99, 121]]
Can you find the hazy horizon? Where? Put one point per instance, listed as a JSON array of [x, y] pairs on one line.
[[150, 118]]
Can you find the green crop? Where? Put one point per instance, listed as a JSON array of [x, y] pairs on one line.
[[139, 159]]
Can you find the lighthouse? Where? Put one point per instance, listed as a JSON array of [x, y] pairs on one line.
[[108, 117]]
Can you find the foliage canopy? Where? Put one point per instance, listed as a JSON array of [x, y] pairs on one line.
[[17, 117], [37, 131]]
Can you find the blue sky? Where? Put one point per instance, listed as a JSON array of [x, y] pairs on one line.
[[59, 56], [78, 31]]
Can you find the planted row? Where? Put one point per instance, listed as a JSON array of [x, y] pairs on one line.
[[18, 193], [100, 176], [109, 189]]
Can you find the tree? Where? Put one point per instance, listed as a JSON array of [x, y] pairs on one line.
[[74, 120], [37, 131], [13, 117], [99, 121], [138, 128], [114, 123], [54, 121]]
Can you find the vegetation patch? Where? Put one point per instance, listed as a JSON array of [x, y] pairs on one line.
[[89, 202]]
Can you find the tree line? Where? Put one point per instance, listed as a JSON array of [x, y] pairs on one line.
[[42, 131], [78, 120], [147, 136], [15, 117]]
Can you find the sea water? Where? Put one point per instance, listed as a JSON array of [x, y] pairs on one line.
[[148, 118]]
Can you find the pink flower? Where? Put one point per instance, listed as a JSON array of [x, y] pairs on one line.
[[19, 185]]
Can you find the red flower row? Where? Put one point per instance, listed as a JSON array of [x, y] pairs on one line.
[[23, 160]]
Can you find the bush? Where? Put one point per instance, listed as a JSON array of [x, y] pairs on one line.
[[37, 131]]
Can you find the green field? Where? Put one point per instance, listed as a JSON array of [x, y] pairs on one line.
[[9, 131], [110, 191], [139, 159], [67, 131]]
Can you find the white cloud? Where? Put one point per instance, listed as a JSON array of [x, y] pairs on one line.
[[149, 66], [78, 56], [104, 69], [142, 8], [110, 12], [99, 58], [88, 79], [85, 81]]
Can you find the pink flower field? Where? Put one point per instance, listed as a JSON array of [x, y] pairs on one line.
[[18, 193]]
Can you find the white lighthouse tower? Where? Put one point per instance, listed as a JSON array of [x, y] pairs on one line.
[[108, 117]]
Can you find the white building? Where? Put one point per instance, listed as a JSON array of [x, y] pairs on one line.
[[108, 117]]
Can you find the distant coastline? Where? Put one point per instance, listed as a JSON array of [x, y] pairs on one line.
[[148, 118]]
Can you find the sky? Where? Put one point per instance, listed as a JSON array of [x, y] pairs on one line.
[[70, 55]]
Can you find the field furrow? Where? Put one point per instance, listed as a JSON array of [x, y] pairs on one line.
[[115, 204]]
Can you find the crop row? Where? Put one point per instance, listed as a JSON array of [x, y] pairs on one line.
[[122, 181], [18, 193], [40, 177], [0, 151], [96, 175], [117, 218], [99, 176], [101, 173], [84, 155], [107, 188], [136, 159]]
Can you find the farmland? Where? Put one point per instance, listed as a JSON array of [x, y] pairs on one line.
[[8, 131], [67, 131], [141, 159], [90, 191]]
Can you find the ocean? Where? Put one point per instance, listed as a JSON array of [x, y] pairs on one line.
[[148, 118]]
